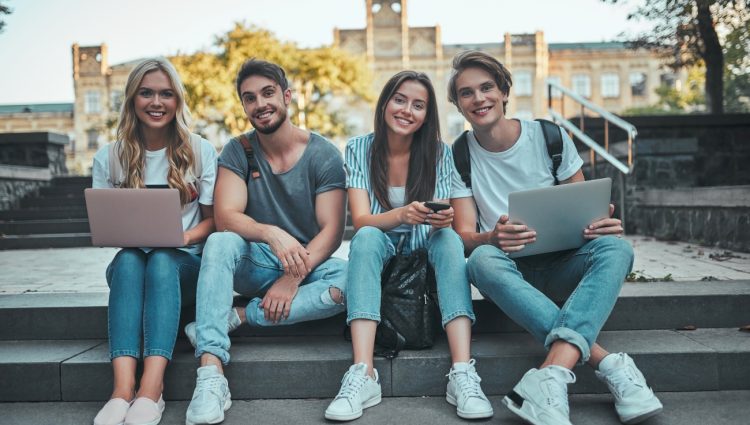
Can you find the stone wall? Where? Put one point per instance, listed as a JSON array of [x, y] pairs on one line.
[[29, 161]]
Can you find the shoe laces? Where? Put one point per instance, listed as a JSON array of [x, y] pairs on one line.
[[210, 384], [351, 384], [625, 380], [557, 391], [468, 380]]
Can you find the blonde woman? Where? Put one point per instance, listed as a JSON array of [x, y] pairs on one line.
[[154, 149]]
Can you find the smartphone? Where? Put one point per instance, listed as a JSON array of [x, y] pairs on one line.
[[436, 206]]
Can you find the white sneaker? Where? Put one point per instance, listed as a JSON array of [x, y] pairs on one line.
[[211, 397], [358, 391], [634, 400], [541, 397], [233, 323], [465, 393]]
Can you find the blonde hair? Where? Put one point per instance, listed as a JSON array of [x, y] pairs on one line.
[[132, 153]]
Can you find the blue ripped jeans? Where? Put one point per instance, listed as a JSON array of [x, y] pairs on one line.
[[371, 248], [230, 263], [146, 293], [588, 278]]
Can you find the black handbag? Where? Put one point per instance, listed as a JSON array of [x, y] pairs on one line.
[[409, 314]]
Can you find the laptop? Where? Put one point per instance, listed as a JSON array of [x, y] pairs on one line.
[[559, 214], [149, 218]]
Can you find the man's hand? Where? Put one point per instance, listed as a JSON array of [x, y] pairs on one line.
[[511, 237], [277, 303], [605, 226], [293, 256], [414, 213], [441, 219]]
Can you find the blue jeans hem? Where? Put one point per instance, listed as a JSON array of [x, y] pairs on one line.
[[156, 352], [572, 337], [222, 355], [459, 313], [367, 316], [123, 353]]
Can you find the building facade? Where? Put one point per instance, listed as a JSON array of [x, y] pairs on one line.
[[609, 74]]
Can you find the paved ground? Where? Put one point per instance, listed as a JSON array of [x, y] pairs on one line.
[[82, 269], [719, 407]]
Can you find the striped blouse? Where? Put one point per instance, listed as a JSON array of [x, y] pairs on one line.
[[357, 161]]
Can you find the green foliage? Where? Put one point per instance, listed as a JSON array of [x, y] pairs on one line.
[[317, 77], [737, 72], [675, 102]]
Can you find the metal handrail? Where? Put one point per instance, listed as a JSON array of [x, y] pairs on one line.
[[608, 117], [578, 132]]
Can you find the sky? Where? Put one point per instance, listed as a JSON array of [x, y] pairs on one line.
[[35, 46]]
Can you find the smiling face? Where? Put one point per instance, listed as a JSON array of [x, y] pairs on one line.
[[406, 110], [155, 102], [479, 99], [265, 103]]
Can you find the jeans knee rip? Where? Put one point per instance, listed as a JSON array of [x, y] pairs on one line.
[[332, 296]]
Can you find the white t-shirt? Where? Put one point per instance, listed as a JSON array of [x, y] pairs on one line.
[[526, 165], [155, 174]]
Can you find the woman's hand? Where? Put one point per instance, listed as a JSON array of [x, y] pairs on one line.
[[441, 219], [414, 213]]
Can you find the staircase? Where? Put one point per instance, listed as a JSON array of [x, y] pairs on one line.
[[53, 218], [56, 218], [53, 348]]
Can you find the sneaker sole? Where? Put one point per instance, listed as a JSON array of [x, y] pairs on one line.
[[642, 416], [514, 407], [226, 407], [343, 418], [466, 415]]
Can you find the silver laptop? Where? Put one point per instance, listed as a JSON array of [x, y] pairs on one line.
[[559, 214], [148, 218]]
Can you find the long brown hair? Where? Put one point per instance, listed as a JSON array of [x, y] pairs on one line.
[[425, 148], [179, 151]]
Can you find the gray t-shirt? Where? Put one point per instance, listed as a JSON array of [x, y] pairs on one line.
[[287, 200]]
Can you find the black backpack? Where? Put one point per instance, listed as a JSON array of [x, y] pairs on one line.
[[552, 137]]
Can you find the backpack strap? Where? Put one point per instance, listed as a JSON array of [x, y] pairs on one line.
[[116, 174], [461, 157], [252, 162], [553, 139]]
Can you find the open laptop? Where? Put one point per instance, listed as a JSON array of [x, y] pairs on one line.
[[148, 218], [559, 214]]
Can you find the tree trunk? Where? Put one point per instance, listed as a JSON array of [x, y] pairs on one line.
[[713, 56]]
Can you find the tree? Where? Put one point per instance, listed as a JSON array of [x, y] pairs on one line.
[[675, 102], [318, 77], [737, 70], [4, 10], [688, 28]]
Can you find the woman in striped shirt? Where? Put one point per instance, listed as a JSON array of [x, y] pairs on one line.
[[390, 173]]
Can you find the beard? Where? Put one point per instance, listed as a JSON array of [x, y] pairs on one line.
[[271, 127]]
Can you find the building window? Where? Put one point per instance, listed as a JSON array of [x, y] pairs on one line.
[[522, 83], [115, 100], [92, 104], [93, 139], [638, 83], [581, 85], [556, 94], [610, 85]]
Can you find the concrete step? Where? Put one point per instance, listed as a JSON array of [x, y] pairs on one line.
[[58, 200], [79, 181], [76, 211], [686, 408], [30, 227], [641, 306], [45, 240], [310, 367]]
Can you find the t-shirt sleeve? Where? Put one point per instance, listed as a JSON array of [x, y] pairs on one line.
[[571, 161], [208, 174], [330, 174], [100, 170], [356, 163], [233, 158]]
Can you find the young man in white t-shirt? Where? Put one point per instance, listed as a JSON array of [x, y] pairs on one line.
[[508, 155]]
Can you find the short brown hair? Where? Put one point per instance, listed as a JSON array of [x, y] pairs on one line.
[[483, 61], [263, 68]]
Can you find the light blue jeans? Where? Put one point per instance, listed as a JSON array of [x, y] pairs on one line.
[[589, 279], [146, 293], [371, 248], [230, 263]]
